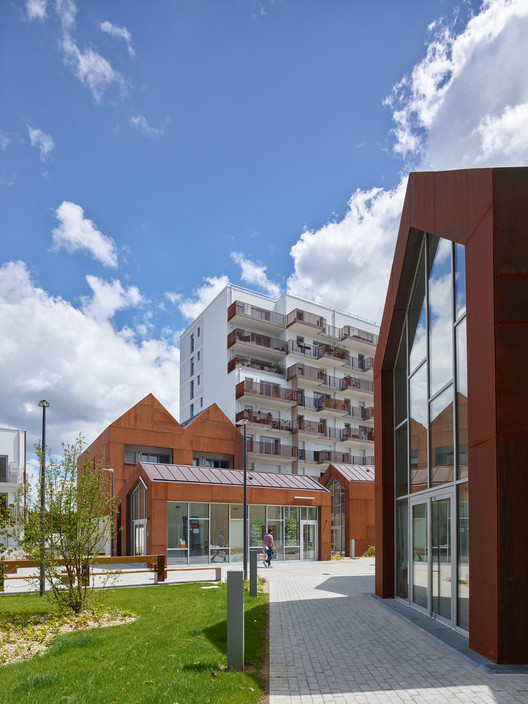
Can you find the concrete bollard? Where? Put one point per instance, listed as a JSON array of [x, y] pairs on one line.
[[253, 560], [353, 547], [235, 620]]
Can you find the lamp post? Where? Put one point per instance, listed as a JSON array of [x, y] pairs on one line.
[[107, 469], [43, 404], [244, 422]]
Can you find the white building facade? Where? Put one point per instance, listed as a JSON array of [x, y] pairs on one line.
[[299, 372], [12, 465]]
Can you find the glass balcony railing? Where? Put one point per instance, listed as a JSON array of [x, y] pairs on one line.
[[302, 316], [263, 390], [256, 340], [270, 448], [266, 419], [269, 367], [260, 315]]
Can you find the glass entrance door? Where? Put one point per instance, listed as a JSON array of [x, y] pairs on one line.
[[140, 529], [420, 553], [309, 540], [433, 573], [441, 562]]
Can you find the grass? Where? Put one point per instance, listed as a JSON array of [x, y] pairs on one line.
[[174, 652]]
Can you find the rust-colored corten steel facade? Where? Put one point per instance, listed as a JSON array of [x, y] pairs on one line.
[[358, 518], [148, 433], [486, 211]]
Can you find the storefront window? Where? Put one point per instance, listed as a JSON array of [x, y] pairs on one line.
[[292, 533], [219, 532], [402, 549], [177, 531], [257, 527]]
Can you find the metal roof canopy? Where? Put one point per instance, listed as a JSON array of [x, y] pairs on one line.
[[187, 474]]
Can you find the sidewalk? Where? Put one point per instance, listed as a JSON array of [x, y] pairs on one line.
[[331, 643]]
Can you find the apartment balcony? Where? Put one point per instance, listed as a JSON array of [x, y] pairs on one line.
[[11, 475], [305, 375], [354, 459], [304, 352], [359, 365], [356, 435], [368, 413], [351, 385], [270, 449], [331, 355], [242, 341], [260, 420], [240, 313], [323, 457], [331, 406], [331, 333], [304, 322], [268, 394], [310, 428], [259, 365], [354, 337]]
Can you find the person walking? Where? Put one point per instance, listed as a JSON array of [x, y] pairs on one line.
[[269, 547]]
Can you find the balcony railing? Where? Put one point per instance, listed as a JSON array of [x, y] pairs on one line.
[[262, 342], [331, 332], [258, 314], [359, 365], [263, 390], [11, 476], [361, 460], [352, 382], [269, 367], [309, 427], [302, 371], [367, 413], [267, 419], [331, 352], [272, 449], [323, 456], [352, 333], [302, 316], [331, 404]]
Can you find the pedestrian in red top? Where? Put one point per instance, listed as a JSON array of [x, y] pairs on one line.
[[269, 547]]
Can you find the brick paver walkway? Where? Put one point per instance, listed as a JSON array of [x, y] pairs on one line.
[[330, 643]]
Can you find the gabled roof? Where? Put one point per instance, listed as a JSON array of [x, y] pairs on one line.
[[152, 412], [355, 472], [229, 477]]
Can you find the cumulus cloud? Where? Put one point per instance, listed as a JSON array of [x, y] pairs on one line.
[[121, 33], [75, 232], [191, 307], [346, 264], [255, 274], [90, 372], [41, 140], [141, 122], [36, 10], [109, 297], [465, 104], [5, 141]]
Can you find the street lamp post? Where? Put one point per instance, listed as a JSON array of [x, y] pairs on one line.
[[43, 404], [244, 422]]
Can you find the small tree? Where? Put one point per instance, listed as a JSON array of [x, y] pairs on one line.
[[79, 518]]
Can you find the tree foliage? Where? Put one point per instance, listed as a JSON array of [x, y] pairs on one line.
[[79, 518]]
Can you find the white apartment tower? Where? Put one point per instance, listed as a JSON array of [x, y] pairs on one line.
[[12, 466], [299, 372]]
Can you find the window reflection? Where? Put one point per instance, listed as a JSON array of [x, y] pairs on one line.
[[460, 280], [417, 319], [440, 314], [463, 557], [462, 409], [400, 384], [418, 429], [442, 449]]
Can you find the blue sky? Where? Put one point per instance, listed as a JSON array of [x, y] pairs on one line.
[[151, 152]]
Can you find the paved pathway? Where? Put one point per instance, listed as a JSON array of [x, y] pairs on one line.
[[330, 643]]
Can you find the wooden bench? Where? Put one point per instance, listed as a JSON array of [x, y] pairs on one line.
[[155, 563]]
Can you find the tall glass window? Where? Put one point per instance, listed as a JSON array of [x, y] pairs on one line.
[[219, 532], [431, 438], [440, 315], [292, 533], [337, 509], [177, 525]]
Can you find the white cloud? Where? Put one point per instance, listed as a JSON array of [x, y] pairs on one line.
[[173, 297], [120, 32], [141, 122], [40, 139], [346, 264], [75, 232], [5, 140], [90, 68], [109, 297], [36, 10], [190, 308], [255, 274], [464, 105], [66, 10], [90, 372]]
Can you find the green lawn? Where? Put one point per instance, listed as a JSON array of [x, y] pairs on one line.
[[174, 652]]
